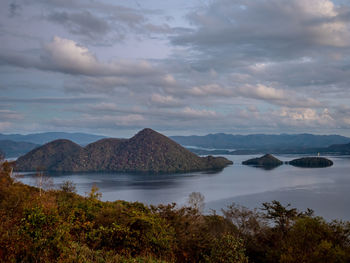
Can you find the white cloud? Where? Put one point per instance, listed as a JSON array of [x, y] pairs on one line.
[[10, 115], [165, 101], [276, 96], [261, 92], [68, 56], [209, 90], [307, 116]]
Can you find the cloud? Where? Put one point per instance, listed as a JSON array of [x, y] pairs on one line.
[[276, 96], [164, 101], [14, 9], [189, 112], [307, 117], [81, 23], [243, 65], [104, 122], [67, 56], [105, 23], [210, 90], [10, 115], [50, 100], [267, 29], [262, 92]]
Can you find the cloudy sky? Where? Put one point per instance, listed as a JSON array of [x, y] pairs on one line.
[[180, 67]]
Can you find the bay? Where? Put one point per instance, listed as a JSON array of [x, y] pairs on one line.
[[325, 190]]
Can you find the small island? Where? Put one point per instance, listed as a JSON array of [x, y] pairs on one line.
[[311, 162], [266, 161], [148, 151]]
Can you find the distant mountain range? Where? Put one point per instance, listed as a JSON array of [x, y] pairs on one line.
[[243, 144], [147, 151], [12, 149], [261, 141], [41, 138], [335, 149]]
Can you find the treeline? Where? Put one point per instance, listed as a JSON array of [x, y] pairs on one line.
[[61, 226]]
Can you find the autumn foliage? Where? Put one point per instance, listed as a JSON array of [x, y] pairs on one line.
[[61, 226]]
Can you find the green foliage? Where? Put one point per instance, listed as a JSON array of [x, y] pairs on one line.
[[68, 187], [281, 216], [227, 249], [313, 240]]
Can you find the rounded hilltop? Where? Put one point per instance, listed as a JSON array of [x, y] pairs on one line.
[[147, 151]]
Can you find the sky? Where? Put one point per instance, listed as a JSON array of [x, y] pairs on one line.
[[180, 67]]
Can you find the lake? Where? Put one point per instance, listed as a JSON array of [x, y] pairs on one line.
[[325, 190]]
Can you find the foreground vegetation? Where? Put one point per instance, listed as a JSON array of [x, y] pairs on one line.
[[61, 226]]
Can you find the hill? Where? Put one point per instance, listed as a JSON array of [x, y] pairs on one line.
[[14, 149], [261, 141], [52, 156], [41, 138], [147, 151]]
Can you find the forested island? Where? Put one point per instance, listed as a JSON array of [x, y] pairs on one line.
[[311, 162], [267, 160], [270, 161], [57, 225], [147, 151]]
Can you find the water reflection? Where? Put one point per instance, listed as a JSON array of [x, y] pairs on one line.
[[265, 167]]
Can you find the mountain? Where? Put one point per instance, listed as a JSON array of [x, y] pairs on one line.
[[260, 141], [147, 151], [335, 149], [41, 138], [13, 149], [338, 148]]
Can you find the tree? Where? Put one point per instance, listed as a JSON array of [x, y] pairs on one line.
[[2, 157], [281, 215], [247, 221], [196, 201], [68, 187], [43, 182]]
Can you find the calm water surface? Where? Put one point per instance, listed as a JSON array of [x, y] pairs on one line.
[[326, 190]]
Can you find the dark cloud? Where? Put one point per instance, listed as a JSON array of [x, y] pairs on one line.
[[82, 23], [270, 30], [14, 9], [49, 100], [102, 22]]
